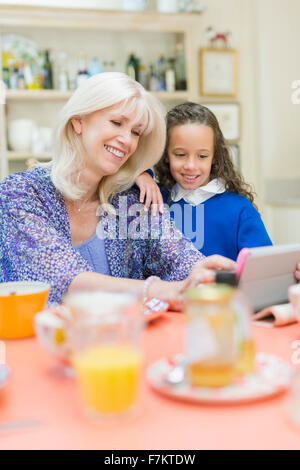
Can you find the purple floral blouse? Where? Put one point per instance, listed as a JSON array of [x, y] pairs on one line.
[[35, 240]]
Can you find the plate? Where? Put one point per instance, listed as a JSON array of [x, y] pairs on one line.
[[154, 308], [272, 376], [4, 374]]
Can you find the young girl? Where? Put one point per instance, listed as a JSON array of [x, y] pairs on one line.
[[197, 173]]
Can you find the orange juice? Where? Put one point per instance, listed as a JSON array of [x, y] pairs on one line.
[[108, 377]]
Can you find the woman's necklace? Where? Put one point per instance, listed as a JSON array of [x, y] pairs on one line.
[[83, 205]]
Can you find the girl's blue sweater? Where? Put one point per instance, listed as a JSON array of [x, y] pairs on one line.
[[224, 224]]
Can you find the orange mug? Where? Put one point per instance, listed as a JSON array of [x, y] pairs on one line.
[[19, 302]]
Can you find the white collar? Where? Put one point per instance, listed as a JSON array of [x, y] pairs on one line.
[[201, 194]]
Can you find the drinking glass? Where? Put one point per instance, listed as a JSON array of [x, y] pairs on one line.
[[107, 355]]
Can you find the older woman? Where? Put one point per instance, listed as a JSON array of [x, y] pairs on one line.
[[54, 227]]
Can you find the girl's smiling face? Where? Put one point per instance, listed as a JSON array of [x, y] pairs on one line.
[[191, 154]]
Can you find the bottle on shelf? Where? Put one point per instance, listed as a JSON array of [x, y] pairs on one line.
[[170, 76], [143, 75], [5, 76], [95, 67], [72, 82], [180, 70], [132, 66], [161, 73], [5, 68], [13, 74], [153, 81], [63, 79], [21, 78], [28, 75], [47, 72], [37, 81], [82, 74]]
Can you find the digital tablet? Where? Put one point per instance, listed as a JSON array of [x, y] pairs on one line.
[[267, 273]]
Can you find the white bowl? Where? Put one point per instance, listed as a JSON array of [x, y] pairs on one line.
[[51, 329], [20, 132]]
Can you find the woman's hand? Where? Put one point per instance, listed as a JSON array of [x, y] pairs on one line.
[[150, 193], [297, 273], [170, 292], [205, 270]]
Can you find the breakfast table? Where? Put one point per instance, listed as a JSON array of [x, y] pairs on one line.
[[39, 392]]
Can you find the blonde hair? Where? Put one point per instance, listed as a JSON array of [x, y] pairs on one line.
[[99, 92]]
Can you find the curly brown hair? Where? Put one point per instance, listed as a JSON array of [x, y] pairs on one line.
[[222, 166]]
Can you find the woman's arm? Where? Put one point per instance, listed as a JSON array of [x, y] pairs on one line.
[[203, 271], [168, 291], [172, 257], [32, 247]]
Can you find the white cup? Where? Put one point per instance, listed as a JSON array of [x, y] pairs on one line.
[[167, 6], [20, 133], [46, 134]]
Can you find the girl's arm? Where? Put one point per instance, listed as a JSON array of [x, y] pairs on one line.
[[150, 192], [252, 232]]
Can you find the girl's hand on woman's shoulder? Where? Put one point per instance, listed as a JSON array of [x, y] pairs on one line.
[[297, 273], [150, 193]]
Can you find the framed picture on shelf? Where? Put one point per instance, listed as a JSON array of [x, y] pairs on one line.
[[234, 150], [228, 115], [219, 72]]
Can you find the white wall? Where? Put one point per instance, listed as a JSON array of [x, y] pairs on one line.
[[237, 16], [278, 39], [278, 33]]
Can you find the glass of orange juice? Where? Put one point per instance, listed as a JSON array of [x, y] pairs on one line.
[[107, 354]]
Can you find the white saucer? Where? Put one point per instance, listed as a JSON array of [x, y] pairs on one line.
[[272, 376]]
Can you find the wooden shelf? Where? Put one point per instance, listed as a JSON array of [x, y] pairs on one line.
[[67, 18], [37, 95], [19, 156], [56, 95]]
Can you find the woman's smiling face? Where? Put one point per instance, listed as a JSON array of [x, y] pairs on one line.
[[190, 154], [109, 137]]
